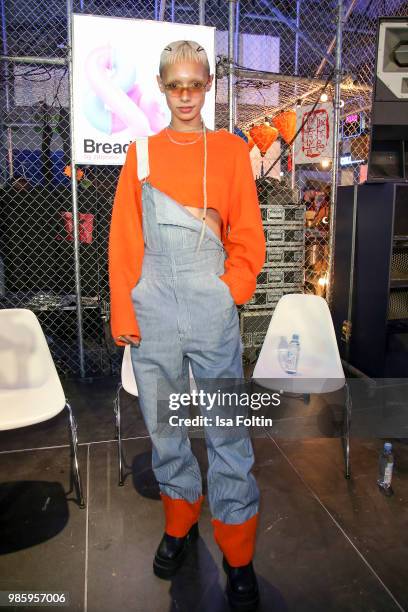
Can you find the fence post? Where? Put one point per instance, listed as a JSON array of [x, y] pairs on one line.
[[6, 73], [74, 192], [292, 148], [201, 12], [231, 61], [336, 143]]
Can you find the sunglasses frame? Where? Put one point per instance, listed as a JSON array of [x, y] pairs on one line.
[[177, 91]]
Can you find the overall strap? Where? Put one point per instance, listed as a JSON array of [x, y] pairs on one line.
[[142, 152]]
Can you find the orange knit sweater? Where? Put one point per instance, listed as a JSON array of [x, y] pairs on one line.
[[177, 170]]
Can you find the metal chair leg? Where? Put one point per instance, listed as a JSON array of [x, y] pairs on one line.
[[74, 446], [118, 433], [347, 433]]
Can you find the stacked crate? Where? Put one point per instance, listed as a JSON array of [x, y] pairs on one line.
[[284, 226]]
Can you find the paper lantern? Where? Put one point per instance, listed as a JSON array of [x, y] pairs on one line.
[[286, 124], [263, 136]]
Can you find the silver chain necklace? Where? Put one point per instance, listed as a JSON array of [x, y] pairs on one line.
[[185, 143]]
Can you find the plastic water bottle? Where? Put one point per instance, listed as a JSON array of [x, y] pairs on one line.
[[292, 355], [385, 468]]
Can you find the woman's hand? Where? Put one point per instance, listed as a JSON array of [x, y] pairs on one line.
[[130, 340]]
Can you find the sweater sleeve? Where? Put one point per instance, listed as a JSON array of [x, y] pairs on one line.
[[125, 249], [245, 243]]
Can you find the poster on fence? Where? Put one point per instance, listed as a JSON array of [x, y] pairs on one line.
[[315, 140], [116, 97]]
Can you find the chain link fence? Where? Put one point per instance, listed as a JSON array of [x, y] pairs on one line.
[[284, 58]]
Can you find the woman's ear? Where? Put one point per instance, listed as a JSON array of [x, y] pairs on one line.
[[209, 82], [160, 83]]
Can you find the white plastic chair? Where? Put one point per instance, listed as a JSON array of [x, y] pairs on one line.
[[128, 383], [319, 366], [30, 388]]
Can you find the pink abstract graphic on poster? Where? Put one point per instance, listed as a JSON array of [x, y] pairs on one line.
[[117, 101]]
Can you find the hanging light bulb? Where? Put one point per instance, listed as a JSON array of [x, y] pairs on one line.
[[324, 97], [325, 162]]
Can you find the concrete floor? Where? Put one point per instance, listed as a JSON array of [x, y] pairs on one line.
[[324, 543]]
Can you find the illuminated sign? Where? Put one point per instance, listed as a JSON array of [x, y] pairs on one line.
[[347, 160], [352, 126]]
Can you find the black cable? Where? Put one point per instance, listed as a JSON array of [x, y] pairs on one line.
[[56, 98], [34, 71]]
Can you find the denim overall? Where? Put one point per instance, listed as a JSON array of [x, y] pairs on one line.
[[186, 314]]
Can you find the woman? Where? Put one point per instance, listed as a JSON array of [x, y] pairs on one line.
[[177, 214]]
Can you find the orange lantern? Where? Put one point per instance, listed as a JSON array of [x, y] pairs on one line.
[[285, 122], [251, 143], [263, 136]]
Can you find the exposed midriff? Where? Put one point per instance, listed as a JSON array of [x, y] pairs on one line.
[[212, 219]]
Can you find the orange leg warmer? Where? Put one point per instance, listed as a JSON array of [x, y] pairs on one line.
[[237, 542], [180, 514]]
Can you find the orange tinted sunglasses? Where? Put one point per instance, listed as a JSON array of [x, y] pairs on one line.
[[176, 89]]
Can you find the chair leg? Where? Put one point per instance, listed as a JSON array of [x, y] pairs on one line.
[[118, 433], [347, 432], [74, 446]]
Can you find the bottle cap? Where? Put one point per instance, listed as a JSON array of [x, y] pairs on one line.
[[387, 446], [295, 336]]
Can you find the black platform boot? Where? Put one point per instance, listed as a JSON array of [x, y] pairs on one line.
[[242, 587], [172, 551]]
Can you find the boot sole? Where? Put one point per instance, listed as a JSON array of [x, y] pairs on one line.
[[240, 603], [164, 568]]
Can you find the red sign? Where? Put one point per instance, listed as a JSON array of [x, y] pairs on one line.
[[85, 227]]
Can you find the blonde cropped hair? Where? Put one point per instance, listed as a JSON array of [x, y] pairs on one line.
[[183, 50]]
